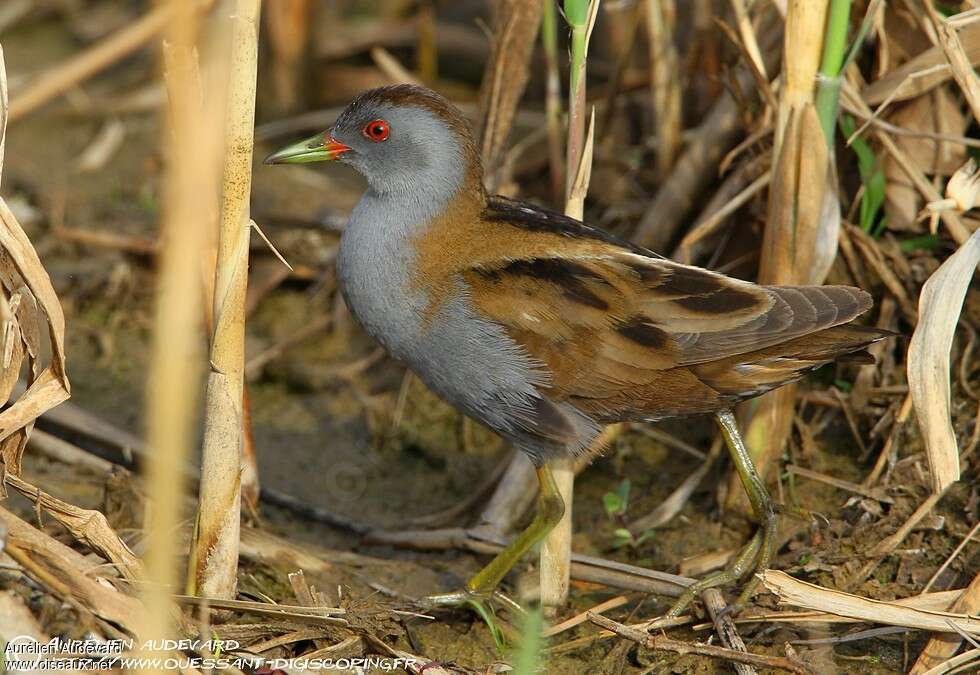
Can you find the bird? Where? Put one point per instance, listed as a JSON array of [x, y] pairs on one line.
[[546, 329]]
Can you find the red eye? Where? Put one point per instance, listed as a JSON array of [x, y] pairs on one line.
[[377, 130]]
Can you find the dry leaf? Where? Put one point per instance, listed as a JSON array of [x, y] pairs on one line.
[[27, 297], [86, 525], [926, 63], [67, 574], [940, 304], [936, 113], [49, 387]]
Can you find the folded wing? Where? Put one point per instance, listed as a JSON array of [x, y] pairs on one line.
[[621, 331]]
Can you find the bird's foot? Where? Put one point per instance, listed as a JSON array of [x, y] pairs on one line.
[[481, 602], [468, 597], [800, 513], [748, 560]]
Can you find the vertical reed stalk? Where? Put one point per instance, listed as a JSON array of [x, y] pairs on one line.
[[177, 355], [664, 84], [427, 57], [804, 213], [557, 548], [581, 16], [288, 28], [214, 550], [515, 26], [4, 106], [552, 103], [828, 84]]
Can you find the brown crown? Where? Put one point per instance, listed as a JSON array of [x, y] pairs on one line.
[[402, 95]]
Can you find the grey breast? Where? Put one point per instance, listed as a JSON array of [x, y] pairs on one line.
[[468, 360]]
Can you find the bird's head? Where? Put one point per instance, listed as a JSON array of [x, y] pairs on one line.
[[401, 137]]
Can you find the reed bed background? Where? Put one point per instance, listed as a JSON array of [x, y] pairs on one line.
[[183, 297]]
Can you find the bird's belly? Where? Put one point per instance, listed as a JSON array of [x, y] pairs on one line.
[[470, 362]]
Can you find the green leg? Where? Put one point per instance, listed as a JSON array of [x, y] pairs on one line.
[[549, 511], [758, 551]]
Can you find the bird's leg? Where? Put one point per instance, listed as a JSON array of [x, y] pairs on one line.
[[550, 509], [758, 551]]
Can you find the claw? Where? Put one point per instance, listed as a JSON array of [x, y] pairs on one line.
[[733, 609], [483, 604], [800, 513]]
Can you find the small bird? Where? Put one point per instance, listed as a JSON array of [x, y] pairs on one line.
[[546, 329]]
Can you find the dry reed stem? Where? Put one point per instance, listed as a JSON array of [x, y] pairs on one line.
[[956, 663], [662, 642], [802, 594], [891, 542], [4, 109], [724, 626], [515, 29], [884, 547], [939, 602], [391, 67], [942, 647], [951, 220], [877, 494], [582, 617], [557, 547], [67, 574], [800, 239], [177, 357], [512, 498], [802, 48], [712, 223], [672, 505], [288, 29], [962, 69], [214, 555], [86, 525], [745, 31], [82, 66], [968, 539], [179, 63], [664, 83], [556, 550]]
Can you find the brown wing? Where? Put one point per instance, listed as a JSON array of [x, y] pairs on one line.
[[627, 335]]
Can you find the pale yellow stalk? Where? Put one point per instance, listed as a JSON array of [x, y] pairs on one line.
[[556, 551], [177, 354], [801, 208], [664, 83], [214, 555]]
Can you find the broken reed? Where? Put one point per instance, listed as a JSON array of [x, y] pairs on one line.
[[213, 563], [799, 243]]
